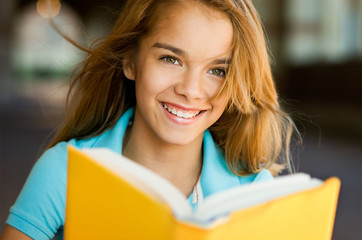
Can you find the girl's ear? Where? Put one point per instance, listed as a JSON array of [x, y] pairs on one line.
[[129, 68]]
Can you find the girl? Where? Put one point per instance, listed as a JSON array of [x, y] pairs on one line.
[[184, 88]]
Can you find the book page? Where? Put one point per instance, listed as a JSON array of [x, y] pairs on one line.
[[222, 204], [143, 179]]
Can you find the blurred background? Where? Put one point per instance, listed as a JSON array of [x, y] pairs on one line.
[[316, 48]]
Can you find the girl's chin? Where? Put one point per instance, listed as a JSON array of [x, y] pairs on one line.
[[181, 138]]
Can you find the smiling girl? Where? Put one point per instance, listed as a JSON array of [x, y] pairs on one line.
[[182, 87]]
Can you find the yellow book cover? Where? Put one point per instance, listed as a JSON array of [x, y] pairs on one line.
[[111, 197]]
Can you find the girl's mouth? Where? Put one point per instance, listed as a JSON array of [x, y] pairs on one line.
[[180, 113]]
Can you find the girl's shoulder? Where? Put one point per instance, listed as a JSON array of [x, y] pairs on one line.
[[263, 175], [112, 138]]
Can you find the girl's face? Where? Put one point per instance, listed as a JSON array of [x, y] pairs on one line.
[[178, 70]]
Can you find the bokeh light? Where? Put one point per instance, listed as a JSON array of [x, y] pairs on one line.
[[48, 8]]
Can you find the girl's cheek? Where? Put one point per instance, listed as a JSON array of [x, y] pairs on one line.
[[158, 81], [165, 77], [214, 86]]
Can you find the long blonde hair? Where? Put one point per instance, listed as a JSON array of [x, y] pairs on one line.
[[253, 132]]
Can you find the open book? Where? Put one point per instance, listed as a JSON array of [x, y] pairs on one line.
[[111, 197]]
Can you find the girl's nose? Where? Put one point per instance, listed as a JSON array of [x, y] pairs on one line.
[[191, 85]]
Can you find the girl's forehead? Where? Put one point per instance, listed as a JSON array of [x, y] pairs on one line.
[[197, 31], [186, 9]]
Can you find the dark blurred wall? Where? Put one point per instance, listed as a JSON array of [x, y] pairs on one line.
[[7, 9]]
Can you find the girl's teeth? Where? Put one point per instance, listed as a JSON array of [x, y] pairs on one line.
[[180, 114]]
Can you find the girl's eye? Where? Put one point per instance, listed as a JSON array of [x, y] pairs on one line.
[[218, 72], [171, 60]]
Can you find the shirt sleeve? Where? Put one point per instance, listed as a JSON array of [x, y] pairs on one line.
[[39, 210]]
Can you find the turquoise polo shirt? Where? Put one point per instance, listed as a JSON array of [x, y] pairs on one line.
[[39, 210]]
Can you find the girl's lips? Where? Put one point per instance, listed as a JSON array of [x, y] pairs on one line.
[[179, 114], [181, 108]]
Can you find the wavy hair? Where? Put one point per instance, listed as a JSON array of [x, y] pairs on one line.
[[253, 131]]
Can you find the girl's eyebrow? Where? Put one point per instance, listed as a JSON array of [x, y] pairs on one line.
[[222, 61], [181, 52], [176, 50]]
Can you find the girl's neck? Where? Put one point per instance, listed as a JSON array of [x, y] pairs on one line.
[[181, 165]]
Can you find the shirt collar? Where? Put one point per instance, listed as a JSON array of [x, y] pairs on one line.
[[215, 175]]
